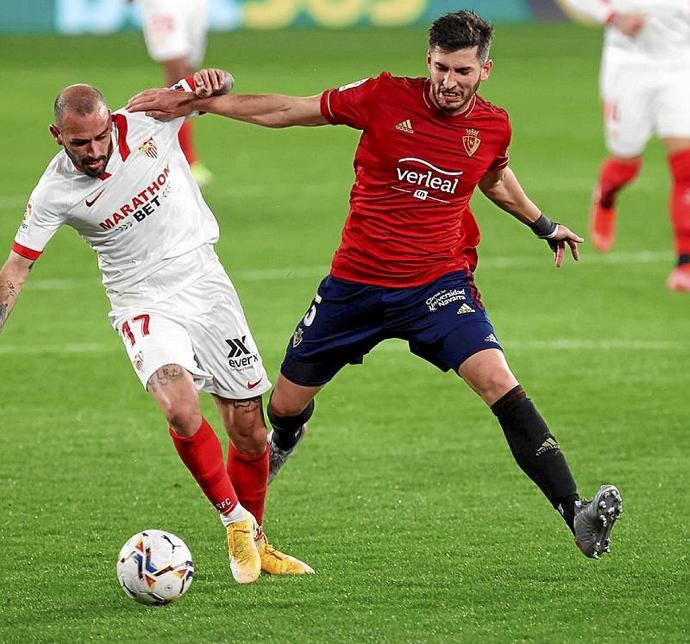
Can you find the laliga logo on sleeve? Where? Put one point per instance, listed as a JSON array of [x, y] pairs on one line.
[[27, 215]]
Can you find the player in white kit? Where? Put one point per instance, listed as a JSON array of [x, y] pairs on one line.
[[645, 88], [175, 36], [122, 182]]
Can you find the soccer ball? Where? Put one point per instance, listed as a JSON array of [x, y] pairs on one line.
[[155, 567]]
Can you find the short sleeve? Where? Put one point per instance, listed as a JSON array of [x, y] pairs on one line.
[[503, 157], [40, 223], [350, 104]]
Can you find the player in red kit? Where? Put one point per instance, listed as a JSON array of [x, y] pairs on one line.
[[408, 251]]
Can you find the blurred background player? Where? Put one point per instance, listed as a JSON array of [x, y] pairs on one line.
[[122, 182], [175, 36], [405, 265], [645, 88]]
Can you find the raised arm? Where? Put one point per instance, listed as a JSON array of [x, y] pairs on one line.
[[503, 188], [269, 110], [12, 278]]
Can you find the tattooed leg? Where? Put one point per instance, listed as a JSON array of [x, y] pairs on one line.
[[172, 387], [244, 422]]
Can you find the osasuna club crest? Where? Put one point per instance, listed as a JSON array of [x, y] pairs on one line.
[[149, 148], [471, 142]]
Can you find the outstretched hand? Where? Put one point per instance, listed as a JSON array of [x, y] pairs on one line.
[[212, 82], [558, 243], [165, 104]]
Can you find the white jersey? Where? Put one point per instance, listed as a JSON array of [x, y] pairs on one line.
[[665, 35], [144, 216]]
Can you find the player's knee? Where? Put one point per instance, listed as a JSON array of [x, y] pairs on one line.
[[292, 412], [497, 387], [252, 445], [492, 386], [183, 415], [488, 374], [250, 438], [286, 407]]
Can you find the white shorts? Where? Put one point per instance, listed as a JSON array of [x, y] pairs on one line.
[[175, 29], [201, 328], [642, 99]]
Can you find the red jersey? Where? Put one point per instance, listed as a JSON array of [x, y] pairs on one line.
[[415, 171]]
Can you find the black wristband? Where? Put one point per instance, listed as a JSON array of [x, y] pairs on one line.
[[543, 227]]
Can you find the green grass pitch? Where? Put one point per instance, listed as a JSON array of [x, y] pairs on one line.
[[404, 497]]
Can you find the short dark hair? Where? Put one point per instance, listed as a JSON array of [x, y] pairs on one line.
[[462, 30]]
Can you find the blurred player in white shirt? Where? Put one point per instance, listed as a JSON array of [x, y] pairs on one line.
[[175, 36], [645, 88], [122, 182]]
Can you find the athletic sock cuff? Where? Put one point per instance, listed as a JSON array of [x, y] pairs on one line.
[[247, 458], [507, 401], [200, 433], [290, 423]]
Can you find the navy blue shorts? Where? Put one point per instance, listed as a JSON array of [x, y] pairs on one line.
[[443, 322]]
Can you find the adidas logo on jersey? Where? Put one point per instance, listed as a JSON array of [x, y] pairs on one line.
[[465, 308], [491, 338], [405, 126]]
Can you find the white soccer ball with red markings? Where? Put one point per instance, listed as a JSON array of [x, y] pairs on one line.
[[155, 567]]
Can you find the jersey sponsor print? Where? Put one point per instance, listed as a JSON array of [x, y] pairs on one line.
[[143, 217], [416, 168]]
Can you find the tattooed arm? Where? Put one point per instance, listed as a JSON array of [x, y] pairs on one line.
[[12, 278]]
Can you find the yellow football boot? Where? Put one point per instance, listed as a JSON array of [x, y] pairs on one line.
[[245, 562], [275, 562]]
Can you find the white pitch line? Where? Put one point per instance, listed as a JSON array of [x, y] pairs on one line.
[[541, 259], [14, 201], [85, 347], [304, 272], [393, 346], [570, 344]]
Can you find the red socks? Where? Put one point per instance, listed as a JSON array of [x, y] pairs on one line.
[[203, 456], [613, 175], [249, 476], [245, 478], [680, 201], [186, 143]]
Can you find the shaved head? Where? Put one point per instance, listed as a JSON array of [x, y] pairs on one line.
[[78, 99], [83, 125]]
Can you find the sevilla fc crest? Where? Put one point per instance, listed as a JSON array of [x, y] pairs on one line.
[[149, 148], [471, 142]]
